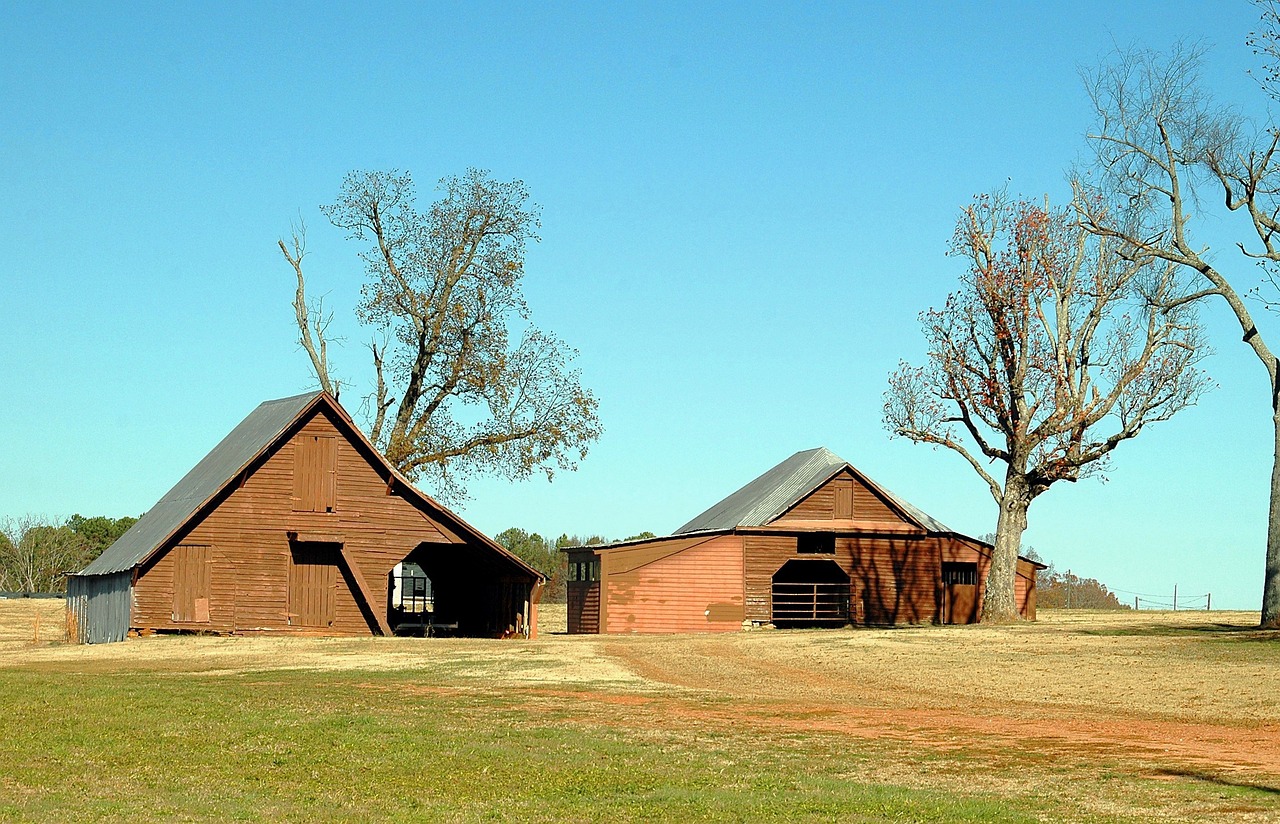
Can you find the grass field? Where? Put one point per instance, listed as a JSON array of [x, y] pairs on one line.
[[1079, 717]]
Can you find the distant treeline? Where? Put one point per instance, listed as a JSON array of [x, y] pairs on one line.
[[1062, 590], [544, 555], [36, 553]]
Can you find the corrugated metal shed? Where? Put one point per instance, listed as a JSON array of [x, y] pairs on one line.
[[99, 605], [244, 443], [782, 487]]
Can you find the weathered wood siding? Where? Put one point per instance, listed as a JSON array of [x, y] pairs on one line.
[[584, 607], [697, 588], [842, 497], [893, 580], [250, 550]]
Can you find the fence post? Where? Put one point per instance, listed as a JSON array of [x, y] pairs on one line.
[[1175, 597], [1135, 603], [1208, 599]]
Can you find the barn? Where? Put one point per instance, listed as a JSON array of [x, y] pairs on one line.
[[811, 542], [295, 523]]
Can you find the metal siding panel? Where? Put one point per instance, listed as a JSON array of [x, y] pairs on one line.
[[100, 606]]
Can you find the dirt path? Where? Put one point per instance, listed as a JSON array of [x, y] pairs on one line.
[[1209, 709]]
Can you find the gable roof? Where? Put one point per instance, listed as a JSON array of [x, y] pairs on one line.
[[232, 454], [254, 436], [769, 496]]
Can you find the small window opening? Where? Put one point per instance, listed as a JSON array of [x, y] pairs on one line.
[[960, 573], [816, 543]]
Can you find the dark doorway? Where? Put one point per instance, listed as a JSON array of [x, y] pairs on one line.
[[812, 593]]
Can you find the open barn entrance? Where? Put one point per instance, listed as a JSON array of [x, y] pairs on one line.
[[812, 593], [458, 589]]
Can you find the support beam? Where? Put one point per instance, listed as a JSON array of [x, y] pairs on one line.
[[354, 570]]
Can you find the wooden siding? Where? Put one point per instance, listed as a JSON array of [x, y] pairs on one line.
[[893, 580], [844, 497], [690, 585], [583, 607], [192, 568], [247, 533]]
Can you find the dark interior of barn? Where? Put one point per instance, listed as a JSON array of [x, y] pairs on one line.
[[474, 592]]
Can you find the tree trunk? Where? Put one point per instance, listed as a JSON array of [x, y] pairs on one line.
[[1000, 603], [1271, 579]]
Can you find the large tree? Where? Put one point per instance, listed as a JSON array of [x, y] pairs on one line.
[[1165, 153], [462, 383], [1054, 350]]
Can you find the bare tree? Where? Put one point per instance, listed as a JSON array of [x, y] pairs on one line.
[[36, 554], [453, 394], [1163, 150], [1054, 351]]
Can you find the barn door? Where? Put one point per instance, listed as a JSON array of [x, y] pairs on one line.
[[313, 584], [960, 592], [191, 573]]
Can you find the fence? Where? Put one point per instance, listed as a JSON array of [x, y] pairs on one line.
[[1167, 601]]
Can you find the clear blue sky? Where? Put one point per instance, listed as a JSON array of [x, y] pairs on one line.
[[745, 206]]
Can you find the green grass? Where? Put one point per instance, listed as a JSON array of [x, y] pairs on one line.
[[300, 745]]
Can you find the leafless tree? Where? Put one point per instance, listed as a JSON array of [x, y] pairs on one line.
[[453, 395], [36, 554], [1054, 351], [1164, 151]]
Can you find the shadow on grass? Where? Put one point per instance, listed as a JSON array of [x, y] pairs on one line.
[[1210, 778], [1242, 631]]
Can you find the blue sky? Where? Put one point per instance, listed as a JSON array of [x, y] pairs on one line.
[[745, 207]]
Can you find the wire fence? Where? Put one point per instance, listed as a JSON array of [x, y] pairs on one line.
[[1174, 601]]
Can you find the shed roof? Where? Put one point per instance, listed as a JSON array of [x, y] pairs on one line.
[[251, 438], [769, 496]]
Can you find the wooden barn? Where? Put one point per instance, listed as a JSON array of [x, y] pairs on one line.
[[811, 542], [296, 523]]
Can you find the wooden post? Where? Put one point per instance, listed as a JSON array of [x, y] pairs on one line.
[[1135, 603], [1175, 597], [1208, 599]]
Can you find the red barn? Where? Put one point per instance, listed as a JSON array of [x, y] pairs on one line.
[[295, 523], [811, 542]]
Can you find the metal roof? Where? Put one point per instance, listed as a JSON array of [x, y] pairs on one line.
[[769, 496], [232, 454]]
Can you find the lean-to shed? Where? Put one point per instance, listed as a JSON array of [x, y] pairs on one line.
[[811, 542], [294, 522]]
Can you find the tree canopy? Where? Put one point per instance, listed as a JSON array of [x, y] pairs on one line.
[[1055, 349], [462, 382]]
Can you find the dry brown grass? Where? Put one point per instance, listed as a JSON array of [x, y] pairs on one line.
[[1085, 706]]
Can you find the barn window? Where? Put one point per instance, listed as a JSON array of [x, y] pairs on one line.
[[584, 570], [191, 584], [959, 573], [315, 467], [816, 543]]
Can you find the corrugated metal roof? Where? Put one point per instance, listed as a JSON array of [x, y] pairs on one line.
[[782, 487], [232, 454]]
